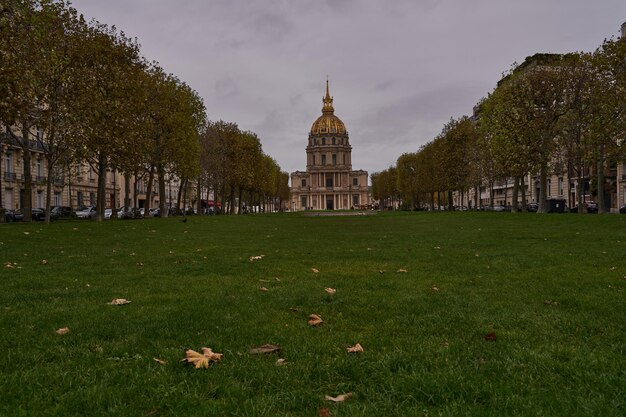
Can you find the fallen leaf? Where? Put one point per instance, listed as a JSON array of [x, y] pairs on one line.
[[477, 255], [280, 362], [490, 337], [381, 272], [267, 348], [27, 233], [315, 320], [118, 301], [330, 290], [355, 349], [437, 247], [63, 330], [44, 262], [201, 360], [160, 361], [402, 270], [435, 289], [324, 412], [9, 265], [445, 343], [315, 270], [551, 302], [256, 258], [338, 398], [263, 289], [139, 263]]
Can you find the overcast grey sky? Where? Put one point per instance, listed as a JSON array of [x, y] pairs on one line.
[[398, 69]]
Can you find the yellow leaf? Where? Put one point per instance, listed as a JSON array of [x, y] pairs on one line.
[[268, 348], [201, 360], [330, 290], [160, 361], [315, 270], [263, 289], [338, 398], [62, 330], [119, 301], [315, 320], [402, 270], [355, 349], [44, 262], [256, 258], [280, 362]]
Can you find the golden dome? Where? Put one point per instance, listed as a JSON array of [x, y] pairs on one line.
[[328, 122]]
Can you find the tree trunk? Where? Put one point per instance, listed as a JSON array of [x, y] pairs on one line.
[[163, 210], [543, 185], [523, 189], [28, 182], [180, 195], [579, 191], [477, 196], [239, 201], [146, 206], [450, 202], [199, 196], [514, 204], [600, 167], [102, 177], [69, 187], [491, 193], [1, 174], [127, 190], [48, 189]]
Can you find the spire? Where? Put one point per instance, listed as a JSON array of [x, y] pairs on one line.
[[328, 101]]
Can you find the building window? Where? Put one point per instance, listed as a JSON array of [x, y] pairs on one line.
[[560, 186], [56, 200], [355, 200], [79, 198], [334, 159], [329, 181], [313, 159], [355, 181], [40, 203], [344, 159], [92, 199], [303, 202], [548, 189], [8, 202], [8, 162], [333, 141], [323, 141], [323, 159], [303, 182]]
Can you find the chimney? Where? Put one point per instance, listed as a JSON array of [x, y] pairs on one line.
[[624, 30]]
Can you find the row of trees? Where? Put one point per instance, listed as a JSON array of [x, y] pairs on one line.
[[551, 114], [91, 96]]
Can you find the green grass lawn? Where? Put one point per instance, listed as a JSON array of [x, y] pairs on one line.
[[551, 288]]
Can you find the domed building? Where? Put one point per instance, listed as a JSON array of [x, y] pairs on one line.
[[329, 183]]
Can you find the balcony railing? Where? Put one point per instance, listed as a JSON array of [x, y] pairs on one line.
[[40, 178], [10, 175]]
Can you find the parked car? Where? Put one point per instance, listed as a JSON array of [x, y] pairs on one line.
[[498, 207], [36, 214], [9, 216], [108, 213], [532, 207], [58, 212], [622, 209], [86, 213], [591, 207]]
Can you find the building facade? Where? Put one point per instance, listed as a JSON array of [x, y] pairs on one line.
[[329, 183]]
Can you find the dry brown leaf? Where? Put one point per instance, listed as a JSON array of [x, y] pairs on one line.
[[381, 271], [256, 258], [280, 362], [159, 361], [551, 302], [434, 288], [263, 289], [402, 270], [355, 349], [330, 290], [491, 337], [9, 265], [139, 263], [201, 360], [63, 330], [267, 348], [27, 233], [119, 302], [324, 412], [338, 398], [315, 320], [44, 262], [445, 343], [315, 270]]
